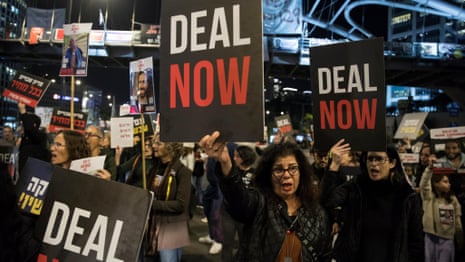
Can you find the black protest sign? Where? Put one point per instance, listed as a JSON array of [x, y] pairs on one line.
[[27, 89], [7, 157], [349, 95], [86, 218], [211, 70], [61, 120], [33, 185], [284, 124], [146, 126]]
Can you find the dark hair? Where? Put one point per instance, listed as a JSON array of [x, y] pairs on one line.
[[247, 155], [435, 178], [76, 144], [397, 173], [263, 172], [36, 120], [149, 78]]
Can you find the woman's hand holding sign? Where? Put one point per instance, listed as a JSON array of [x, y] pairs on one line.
[[217, 150]]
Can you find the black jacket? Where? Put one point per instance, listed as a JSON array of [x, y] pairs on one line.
[[33, 142], [349, 200], [266, 222]]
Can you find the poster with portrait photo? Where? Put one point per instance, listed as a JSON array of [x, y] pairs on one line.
[[142, 89], [75, 49]]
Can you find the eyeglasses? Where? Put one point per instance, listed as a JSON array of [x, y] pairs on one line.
[[57, 144], [279, 171], [377, 159], [88, 134]]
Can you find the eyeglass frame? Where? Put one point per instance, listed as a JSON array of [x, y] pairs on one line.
[[89, 134], [283, 170], [377, 159], [57, 144]]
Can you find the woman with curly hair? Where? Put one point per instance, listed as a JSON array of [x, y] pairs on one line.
[[67, 146], [282, 218]]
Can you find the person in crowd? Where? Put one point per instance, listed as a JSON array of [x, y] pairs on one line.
[[442, 216], [197, 174], [212, 202], [454, 157], [378, 213], [16, 231], [106, 144], [425, 153], [244, 159], [126, 154], [74, 55], [94, 137], [320, 162], [9, 135], [33, 141], [170, 180], [282, 218], [404, 146], [68, 145], [133, 166]]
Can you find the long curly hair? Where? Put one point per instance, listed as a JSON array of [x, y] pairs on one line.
[[263, 174], [76, 144]]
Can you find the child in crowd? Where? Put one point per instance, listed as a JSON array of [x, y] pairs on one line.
[[441, 218]]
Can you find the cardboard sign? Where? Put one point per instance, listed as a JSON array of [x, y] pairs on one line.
[[85, 218], [349, 95], [61, 120], [409, 158], [27, 89], [75, 49], [88, 165], [411, 125], [122, 132], [211, 70], [448, 132], [33, 185]]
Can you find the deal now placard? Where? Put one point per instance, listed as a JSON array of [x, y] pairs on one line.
[[211, 70], [27, 89], [349, 95]]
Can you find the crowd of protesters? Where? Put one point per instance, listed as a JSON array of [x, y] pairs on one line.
[[284, 204]]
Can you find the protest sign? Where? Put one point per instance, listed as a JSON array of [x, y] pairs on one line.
[[88, 165], [146, 127], [410, 125], [33, 184], [61, 120], [122, 132], [211, 70], [349, 95], [142, 88], [27, 89], [284, 124], [85, 218], [75, 49]]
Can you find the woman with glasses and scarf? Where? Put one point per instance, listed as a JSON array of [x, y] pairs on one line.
[[378, 214], [170, 180], [282, 218]]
